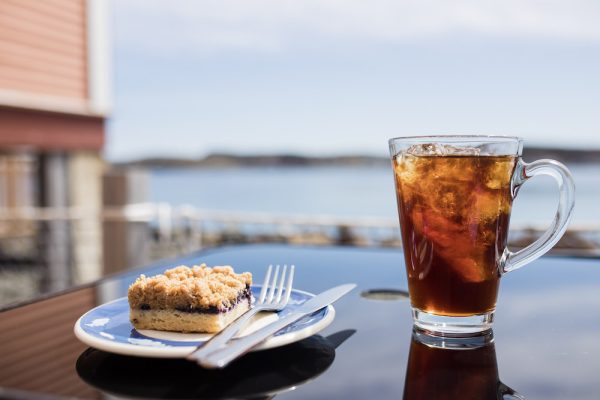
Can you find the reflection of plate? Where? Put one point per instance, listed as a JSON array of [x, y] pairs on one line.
[[107, 328], [257, 374]]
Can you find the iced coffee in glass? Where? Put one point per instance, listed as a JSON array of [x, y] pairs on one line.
[[455, 195]]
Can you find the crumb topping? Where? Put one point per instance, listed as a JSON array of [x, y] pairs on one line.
[[189, 288]]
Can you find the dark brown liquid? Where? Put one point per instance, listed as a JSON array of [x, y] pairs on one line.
[[438, 373], [454, 215]]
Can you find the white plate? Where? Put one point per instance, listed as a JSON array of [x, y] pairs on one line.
[[107, 328]]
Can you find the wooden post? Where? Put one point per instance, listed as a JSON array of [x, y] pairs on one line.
[[126, 244], [54, 235], [85, 194]]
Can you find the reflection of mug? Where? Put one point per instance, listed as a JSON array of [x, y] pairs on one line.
[[453, 373], [455, 196]]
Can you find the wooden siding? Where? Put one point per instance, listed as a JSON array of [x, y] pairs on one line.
[[43, 334], [50, 131], [43, 47]]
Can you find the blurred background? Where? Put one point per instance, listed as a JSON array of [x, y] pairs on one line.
[[135, 130]]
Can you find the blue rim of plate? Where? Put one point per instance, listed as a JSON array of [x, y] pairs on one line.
[[107, 327]]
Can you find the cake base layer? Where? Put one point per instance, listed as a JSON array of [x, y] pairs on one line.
[[180, 321]]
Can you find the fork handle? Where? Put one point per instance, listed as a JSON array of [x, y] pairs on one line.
[[220, 339], [221, 357]]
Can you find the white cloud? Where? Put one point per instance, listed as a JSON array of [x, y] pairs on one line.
[[275, 24]]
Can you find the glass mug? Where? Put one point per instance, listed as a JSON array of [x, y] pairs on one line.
[[454, 197]]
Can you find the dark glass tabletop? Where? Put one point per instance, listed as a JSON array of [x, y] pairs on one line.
[[545, 343]]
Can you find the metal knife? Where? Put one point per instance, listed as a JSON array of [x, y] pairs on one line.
[[223, 356]]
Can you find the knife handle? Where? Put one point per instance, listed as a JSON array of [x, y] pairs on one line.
[[223, 356]]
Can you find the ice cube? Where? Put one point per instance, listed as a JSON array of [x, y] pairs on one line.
[[406, 169], [462, 151], [452, 242], [426, 149], [470, 269], [486, 205], [498, 175], [437, 149]]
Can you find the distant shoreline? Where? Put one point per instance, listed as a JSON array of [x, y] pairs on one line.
[[224, 160]]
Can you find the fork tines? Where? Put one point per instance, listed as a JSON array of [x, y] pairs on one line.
[[270, 286]]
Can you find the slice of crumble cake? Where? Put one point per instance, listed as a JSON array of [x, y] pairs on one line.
[[183, 299]]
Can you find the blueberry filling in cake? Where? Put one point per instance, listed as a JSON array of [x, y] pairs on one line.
[[196, 299]]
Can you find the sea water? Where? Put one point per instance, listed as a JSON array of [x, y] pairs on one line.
[[358, 191]]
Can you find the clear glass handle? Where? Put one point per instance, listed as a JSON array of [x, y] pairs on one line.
[[511, 261]]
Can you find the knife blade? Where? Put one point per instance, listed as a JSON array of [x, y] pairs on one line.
[[223, 356]]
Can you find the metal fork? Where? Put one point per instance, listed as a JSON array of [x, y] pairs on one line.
[[268, 300]]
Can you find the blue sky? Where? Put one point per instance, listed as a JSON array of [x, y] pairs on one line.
[[331, 76]]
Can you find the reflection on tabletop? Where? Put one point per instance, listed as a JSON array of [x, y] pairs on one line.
[[261, 374], [447, 369]]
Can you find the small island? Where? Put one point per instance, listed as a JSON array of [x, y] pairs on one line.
[[227, 160]]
